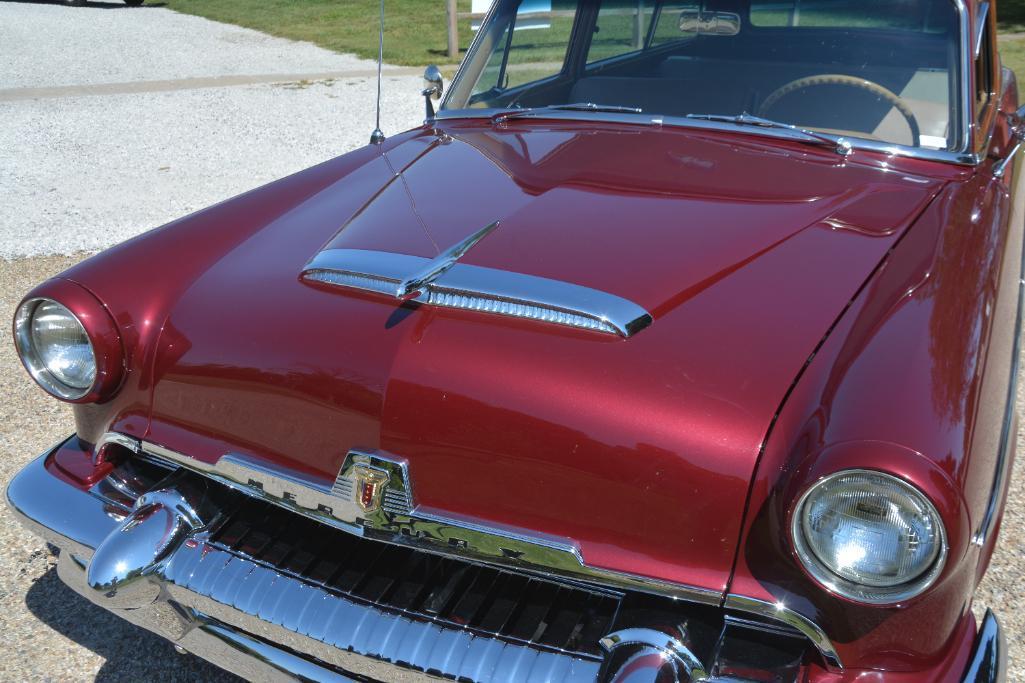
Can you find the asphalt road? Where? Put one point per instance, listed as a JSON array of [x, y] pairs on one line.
[[107, 132]]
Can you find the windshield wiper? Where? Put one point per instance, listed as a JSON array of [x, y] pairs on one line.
[[840, 145], [575, 106]]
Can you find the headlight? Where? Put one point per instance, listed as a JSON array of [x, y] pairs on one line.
[[55, 348], [869, 536]]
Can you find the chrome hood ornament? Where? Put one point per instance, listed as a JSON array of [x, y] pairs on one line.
[[444, 282], [437, 266]]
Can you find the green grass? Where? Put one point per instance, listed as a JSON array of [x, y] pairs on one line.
[[415, 33], [1011, 18], [416, 29], [1012, 52], [1011, 15]]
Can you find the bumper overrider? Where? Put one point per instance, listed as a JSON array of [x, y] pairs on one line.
[[271, 595]]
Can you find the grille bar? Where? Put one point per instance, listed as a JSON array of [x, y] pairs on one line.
[[488, 601]]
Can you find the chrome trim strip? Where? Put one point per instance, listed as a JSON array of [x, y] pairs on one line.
[[780, 612], [979, 29], [422, 528], [114, 439], [1007, 437], [989, 658], [477, 288], [960, 158]]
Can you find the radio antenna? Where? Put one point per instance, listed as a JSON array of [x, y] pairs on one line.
[[377, 137]]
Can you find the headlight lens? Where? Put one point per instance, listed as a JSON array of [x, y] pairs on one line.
[[869, 536], [55, 347]]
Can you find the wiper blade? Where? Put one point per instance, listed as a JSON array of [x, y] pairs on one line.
[[840, 145], [574, 106]]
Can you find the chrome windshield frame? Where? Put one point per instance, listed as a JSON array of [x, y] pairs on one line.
[[964, 155], [890, 149]]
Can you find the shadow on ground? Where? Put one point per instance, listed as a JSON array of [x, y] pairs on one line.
[[131, 653]]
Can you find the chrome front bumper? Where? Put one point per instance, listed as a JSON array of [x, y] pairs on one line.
[[229, 610], [268, 626]]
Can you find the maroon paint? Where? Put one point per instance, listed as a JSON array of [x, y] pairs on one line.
[[742, 287], [643, 450], [499, 418]]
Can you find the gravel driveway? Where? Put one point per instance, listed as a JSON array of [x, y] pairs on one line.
[[108, 132], [118, 119]]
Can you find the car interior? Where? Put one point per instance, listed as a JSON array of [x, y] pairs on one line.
[[875, 69]]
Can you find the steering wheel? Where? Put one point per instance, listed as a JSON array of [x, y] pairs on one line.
[[850, 82]]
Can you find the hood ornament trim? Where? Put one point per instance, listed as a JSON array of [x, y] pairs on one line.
[[444, 282], [437, 266]]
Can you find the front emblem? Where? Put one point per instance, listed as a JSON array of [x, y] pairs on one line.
[[370, 486]]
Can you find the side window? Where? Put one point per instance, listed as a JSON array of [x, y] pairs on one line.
[[984, 72], [621, 28], [532, 46]]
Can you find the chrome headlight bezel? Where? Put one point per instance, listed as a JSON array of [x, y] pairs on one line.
[[31, 357], [862, 592]]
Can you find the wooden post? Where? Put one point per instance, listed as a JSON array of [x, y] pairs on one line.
[[453, 30], [639, 26]]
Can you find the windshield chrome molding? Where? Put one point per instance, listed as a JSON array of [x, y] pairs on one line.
[[856, 143], [781, 613], [477, 288], [469, 57], [980, 29], [425, 529], [967, 68]]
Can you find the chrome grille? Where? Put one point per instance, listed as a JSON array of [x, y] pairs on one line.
[[483, 600]]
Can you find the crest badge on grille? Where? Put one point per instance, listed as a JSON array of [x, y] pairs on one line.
[[372, 496], [370, 486]]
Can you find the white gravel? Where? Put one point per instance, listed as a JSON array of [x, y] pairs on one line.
[[83, 172], [108, 42]]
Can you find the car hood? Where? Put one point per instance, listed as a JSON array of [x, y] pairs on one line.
[[640, 451]]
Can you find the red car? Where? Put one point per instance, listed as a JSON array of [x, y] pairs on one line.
[[679, 344]]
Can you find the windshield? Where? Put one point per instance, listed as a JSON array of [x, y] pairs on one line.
[[884, 70]]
